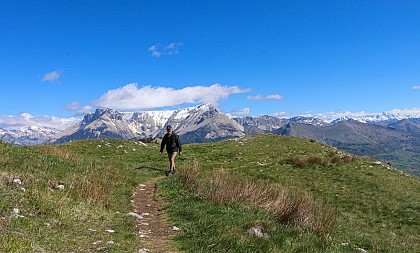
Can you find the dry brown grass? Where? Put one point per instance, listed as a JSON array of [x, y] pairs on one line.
[[288, 205], [93, 185], [60, 152], [339, 158]]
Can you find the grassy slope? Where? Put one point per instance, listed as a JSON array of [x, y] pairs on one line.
[[98, 185], [377, 208]]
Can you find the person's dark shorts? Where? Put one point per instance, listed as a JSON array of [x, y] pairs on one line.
[[171, 154]]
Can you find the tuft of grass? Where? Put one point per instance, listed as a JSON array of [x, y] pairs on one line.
[[316, 160], [287, 205]]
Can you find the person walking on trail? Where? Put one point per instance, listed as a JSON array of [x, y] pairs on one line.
[[173, 146]]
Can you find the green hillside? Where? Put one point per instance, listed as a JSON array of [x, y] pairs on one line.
[[398, 144], [375, 207]]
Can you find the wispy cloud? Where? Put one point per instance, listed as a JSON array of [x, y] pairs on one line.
[[52, 76], [283, 114], [79, 111], [417, 87], [238, 113], [265, 98], [131, 97], [170, 49], [26, 120], [72, 107]]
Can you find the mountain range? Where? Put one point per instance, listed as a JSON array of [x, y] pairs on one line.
[[391, 137], [32, 135]]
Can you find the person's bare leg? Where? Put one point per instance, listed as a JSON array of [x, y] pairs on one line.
[[172, 163]]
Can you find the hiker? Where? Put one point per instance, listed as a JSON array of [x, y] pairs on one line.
[[173, 145]]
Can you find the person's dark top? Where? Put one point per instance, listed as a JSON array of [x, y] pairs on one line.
[[173, 144]]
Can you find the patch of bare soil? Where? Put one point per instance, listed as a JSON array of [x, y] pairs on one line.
[[155, 233]]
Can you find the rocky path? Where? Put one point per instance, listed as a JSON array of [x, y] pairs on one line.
[[154, 232]]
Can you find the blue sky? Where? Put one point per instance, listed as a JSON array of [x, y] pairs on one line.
[[60, 59]]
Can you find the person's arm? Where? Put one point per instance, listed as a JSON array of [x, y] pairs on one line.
[[179, 145], [162, 145]]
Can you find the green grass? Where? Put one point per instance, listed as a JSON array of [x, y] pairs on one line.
[[377, 207], [99, 182]]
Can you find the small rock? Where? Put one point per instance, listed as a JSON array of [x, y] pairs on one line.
[[141, 143], [144, 251], [145, 214], [110, 231], [138, 216], [361, 250], [258, 231], [148, 205], [142, 185], [16, 211], [110, 242], [145, 224], [175, 228], [97, 242], [93, 230], [60, 187], [17, 181]]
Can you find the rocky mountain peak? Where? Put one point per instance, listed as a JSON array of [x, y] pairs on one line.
[[101, 113], [194, 124]]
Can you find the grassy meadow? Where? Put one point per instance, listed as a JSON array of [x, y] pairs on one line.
[[336, 202]]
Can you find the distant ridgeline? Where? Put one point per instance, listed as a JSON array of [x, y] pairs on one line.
[[386, 138]]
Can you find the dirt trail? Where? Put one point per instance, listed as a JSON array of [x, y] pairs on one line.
[[156, 235]]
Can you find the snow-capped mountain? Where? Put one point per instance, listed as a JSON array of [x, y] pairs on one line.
[[308, 121], [372, 118], [204, 123], [26, 136], [194, 124], [264, 123]]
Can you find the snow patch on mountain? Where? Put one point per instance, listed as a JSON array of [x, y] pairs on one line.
[[365, 117], [195, 124], [25, 136]]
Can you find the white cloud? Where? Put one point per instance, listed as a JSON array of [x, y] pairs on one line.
[[265, 98], [26, 120], [75, 107], [241, 112], [417, 87], [52, 76], [72, 107], [130, 97], [84, 110], [170, 49], [283, 114]]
